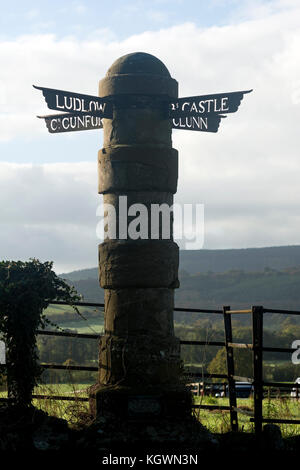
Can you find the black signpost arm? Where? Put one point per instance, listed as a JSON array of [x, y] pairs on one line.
[[195, 113], [219, 103], [206, 123], [70, 122], [65, 100]]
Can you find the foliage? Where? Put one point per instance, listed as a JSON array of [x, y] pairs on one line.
[[58, 350], [218, 421], [242, 363], [26, 289], [277, 366], [286, 372]]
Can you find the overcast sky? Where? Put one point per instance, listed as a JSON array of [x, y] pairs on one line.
[[247, 175]]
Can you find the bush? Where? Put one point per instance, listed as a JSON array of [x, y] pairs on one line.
[[26, 289], [242, 363], [286, 372]]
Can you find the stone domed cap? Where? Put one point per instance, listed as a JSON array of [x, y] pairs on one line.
[[138, 74], [138, 63]]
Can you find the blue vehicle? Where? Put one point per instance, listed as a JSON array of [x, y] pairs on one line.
[[242, 390]]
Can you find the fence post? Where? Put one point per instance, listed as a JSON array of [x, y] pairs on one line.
[[230, 369], [257, 335]]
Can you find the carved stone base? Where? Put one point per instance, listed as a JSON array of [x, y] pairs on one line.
[[139, 404], [154, 424]]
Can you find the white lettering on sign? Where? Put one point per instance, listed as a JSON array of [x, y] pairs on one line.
[[72, 103], [72, 123], [224, 104], [53, 125], [215, 105], [191, 122]]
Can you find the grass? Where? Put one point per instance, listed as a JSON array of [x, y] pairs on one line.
[[67, 389], [218, 421], [75, 412]]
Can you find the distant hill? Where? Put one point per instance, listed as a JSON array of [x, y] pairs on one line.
[[220, 261], [212, 278], [271, 288], [247, 259], [81, 274]]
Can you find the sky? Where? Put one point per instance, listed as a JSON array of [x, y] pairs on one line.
[[246, 175]]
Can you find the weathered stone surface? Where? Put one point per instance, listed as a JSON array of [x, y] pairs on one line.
[[125, 84], [139, 360], [138, 263], [172, 403], [131, 168], [138, 73], [138, 63], [272, 438], [140, 197], [137, 127], [139, 311]]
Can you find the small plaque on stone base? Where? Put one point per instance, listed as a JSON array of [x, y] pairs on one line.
[[140, 406]]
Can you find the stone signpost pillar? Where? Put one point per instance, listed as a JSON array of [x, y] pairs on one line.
[[139, 360]]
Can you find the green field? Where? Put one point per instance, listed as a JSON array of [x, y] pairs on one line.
[[92, 320], [217, 421], [84, 327]]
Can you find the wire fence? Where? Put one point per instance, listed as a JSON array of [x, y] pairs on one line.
[[258, 384]]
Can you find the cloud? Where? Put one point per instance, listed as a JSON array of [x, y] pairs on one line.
[[259, 53], [50, 194], [49, 212], [246, 175]]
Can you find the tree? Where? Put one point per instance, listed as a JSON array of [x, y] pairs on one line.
[[26, 289], [242, 363]]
